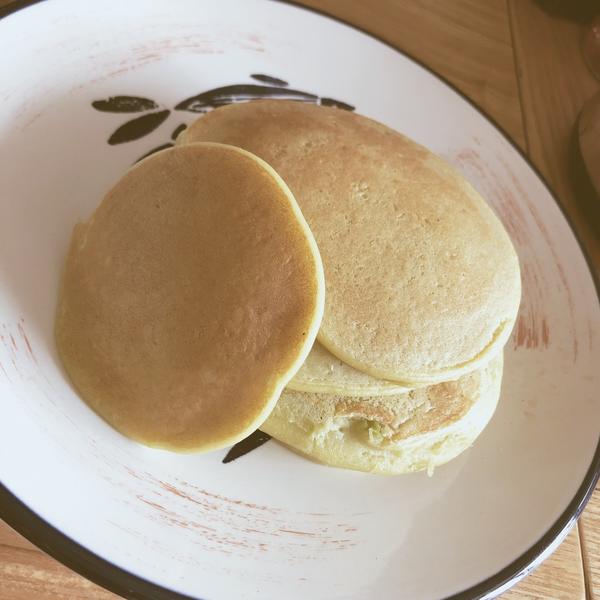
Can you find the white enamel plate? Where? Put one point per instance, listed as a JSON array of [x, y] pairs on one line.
[[88, 88]]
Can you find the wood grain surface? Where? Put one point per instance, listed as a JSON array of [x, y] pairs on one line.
[[555, 83], [26, 573], [525, 69], [468, 42], [589, 527]]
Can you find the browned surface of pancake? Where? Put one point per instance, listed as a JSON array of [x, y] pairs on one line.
[[190, 298], [423, 283]]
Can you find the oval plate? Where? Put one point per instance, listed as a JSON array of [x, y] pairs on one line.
[[89, 89]]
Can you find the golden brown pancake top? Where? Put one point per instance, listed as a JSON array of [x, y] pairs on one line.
[[190, 298], [422, 281]]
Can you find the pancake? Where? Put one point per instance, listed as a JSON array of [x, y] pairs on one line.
[[190, 298], [415, 431], [422, 281], [325, 373]]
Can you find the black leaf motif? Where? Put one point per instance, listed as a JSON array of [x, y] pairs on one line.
[[178, 130], [138, 128], [337, 103], [124, 104], [241, 93], [269, 79], [253, 441], [154, 150]]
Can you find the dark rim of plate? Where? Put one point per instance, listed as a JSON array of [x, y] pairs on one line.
[[118, 580]]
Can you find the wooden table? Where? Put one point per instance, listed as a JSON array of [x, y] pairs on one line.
[[525, 69]]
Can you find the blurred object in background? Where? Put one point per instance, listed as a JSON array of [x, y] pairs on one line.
[[590, 46], [589, 138], [586, 12], [576, 10], [584, 163], [584, 147]]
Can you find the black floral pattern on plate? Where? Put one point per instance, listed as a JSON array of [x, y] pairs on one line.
[[156, 114], [252, 442]]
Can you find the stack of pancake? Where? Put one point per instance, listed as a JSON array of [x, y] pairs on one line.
[[422, 289], [219, 293]]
